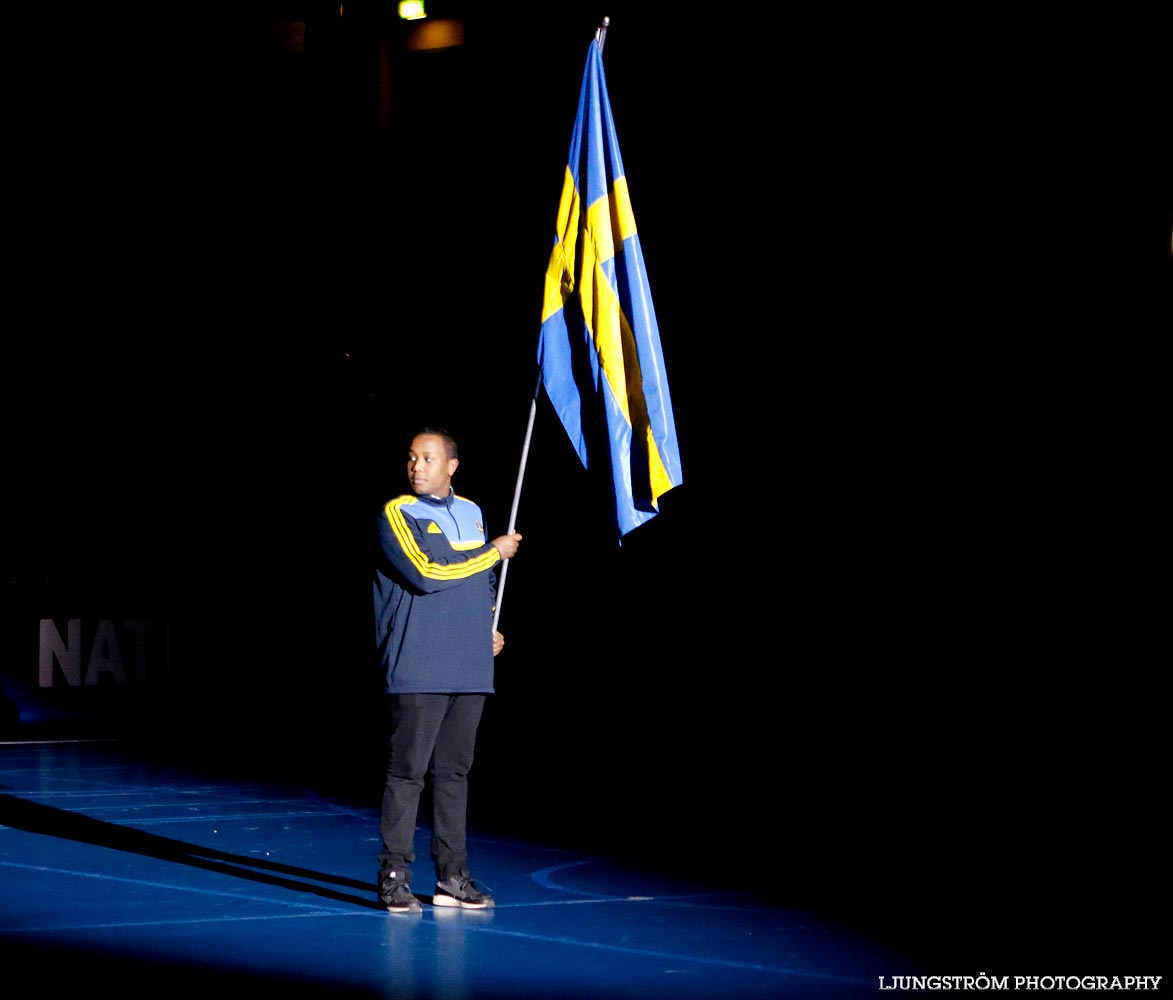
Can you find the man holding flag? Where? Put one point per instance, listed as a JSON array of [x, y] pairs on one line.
[[433, 586]]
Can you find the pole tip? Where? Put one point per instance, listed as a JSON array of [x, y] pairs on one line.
[[601, 32]]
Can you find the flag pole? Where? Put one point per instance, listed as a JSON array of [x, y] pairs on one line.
[[600, 38], [529, 430]]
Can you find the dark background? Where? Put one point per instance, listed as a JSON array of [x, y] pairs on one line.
[[878, 652]]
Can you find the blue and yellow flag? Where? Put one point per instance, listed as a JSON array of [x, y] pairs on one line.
[[599, 352]]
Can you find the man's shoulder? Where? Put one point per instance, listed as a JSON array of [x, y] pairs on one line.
[[397, 508], [403, 500]]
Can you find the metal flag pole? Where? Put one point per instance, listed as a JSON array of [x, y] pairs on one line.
[[600, 37], [529, 430]]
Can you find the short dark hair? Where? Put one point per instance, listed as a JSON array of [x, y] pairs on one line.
[[443, 435]]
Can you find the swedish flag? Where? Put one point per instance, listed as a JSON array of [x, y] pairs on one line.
[[600, 357]]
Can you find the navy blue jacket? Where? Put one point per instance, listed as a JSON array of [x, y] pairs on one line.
[[434, 587]]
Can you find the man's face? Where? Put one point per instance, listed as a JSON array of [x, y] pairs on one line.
[[429, 469]]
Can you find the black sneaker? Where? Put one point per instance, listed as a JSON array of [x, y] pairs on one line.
[[395, 892], [459, 890]]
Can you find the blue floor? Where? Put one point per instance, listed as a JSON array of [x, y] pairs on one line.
[[127, 868], [120, 869]]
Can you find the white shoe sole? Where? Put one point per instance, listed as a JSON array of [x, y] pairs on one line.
[[441, 900]]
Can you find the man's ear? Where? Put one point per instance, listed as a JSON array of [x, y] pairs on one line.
[[452, 464]]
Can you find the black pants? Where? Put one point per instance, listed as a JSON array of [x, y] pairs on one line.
[[432, 736]]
